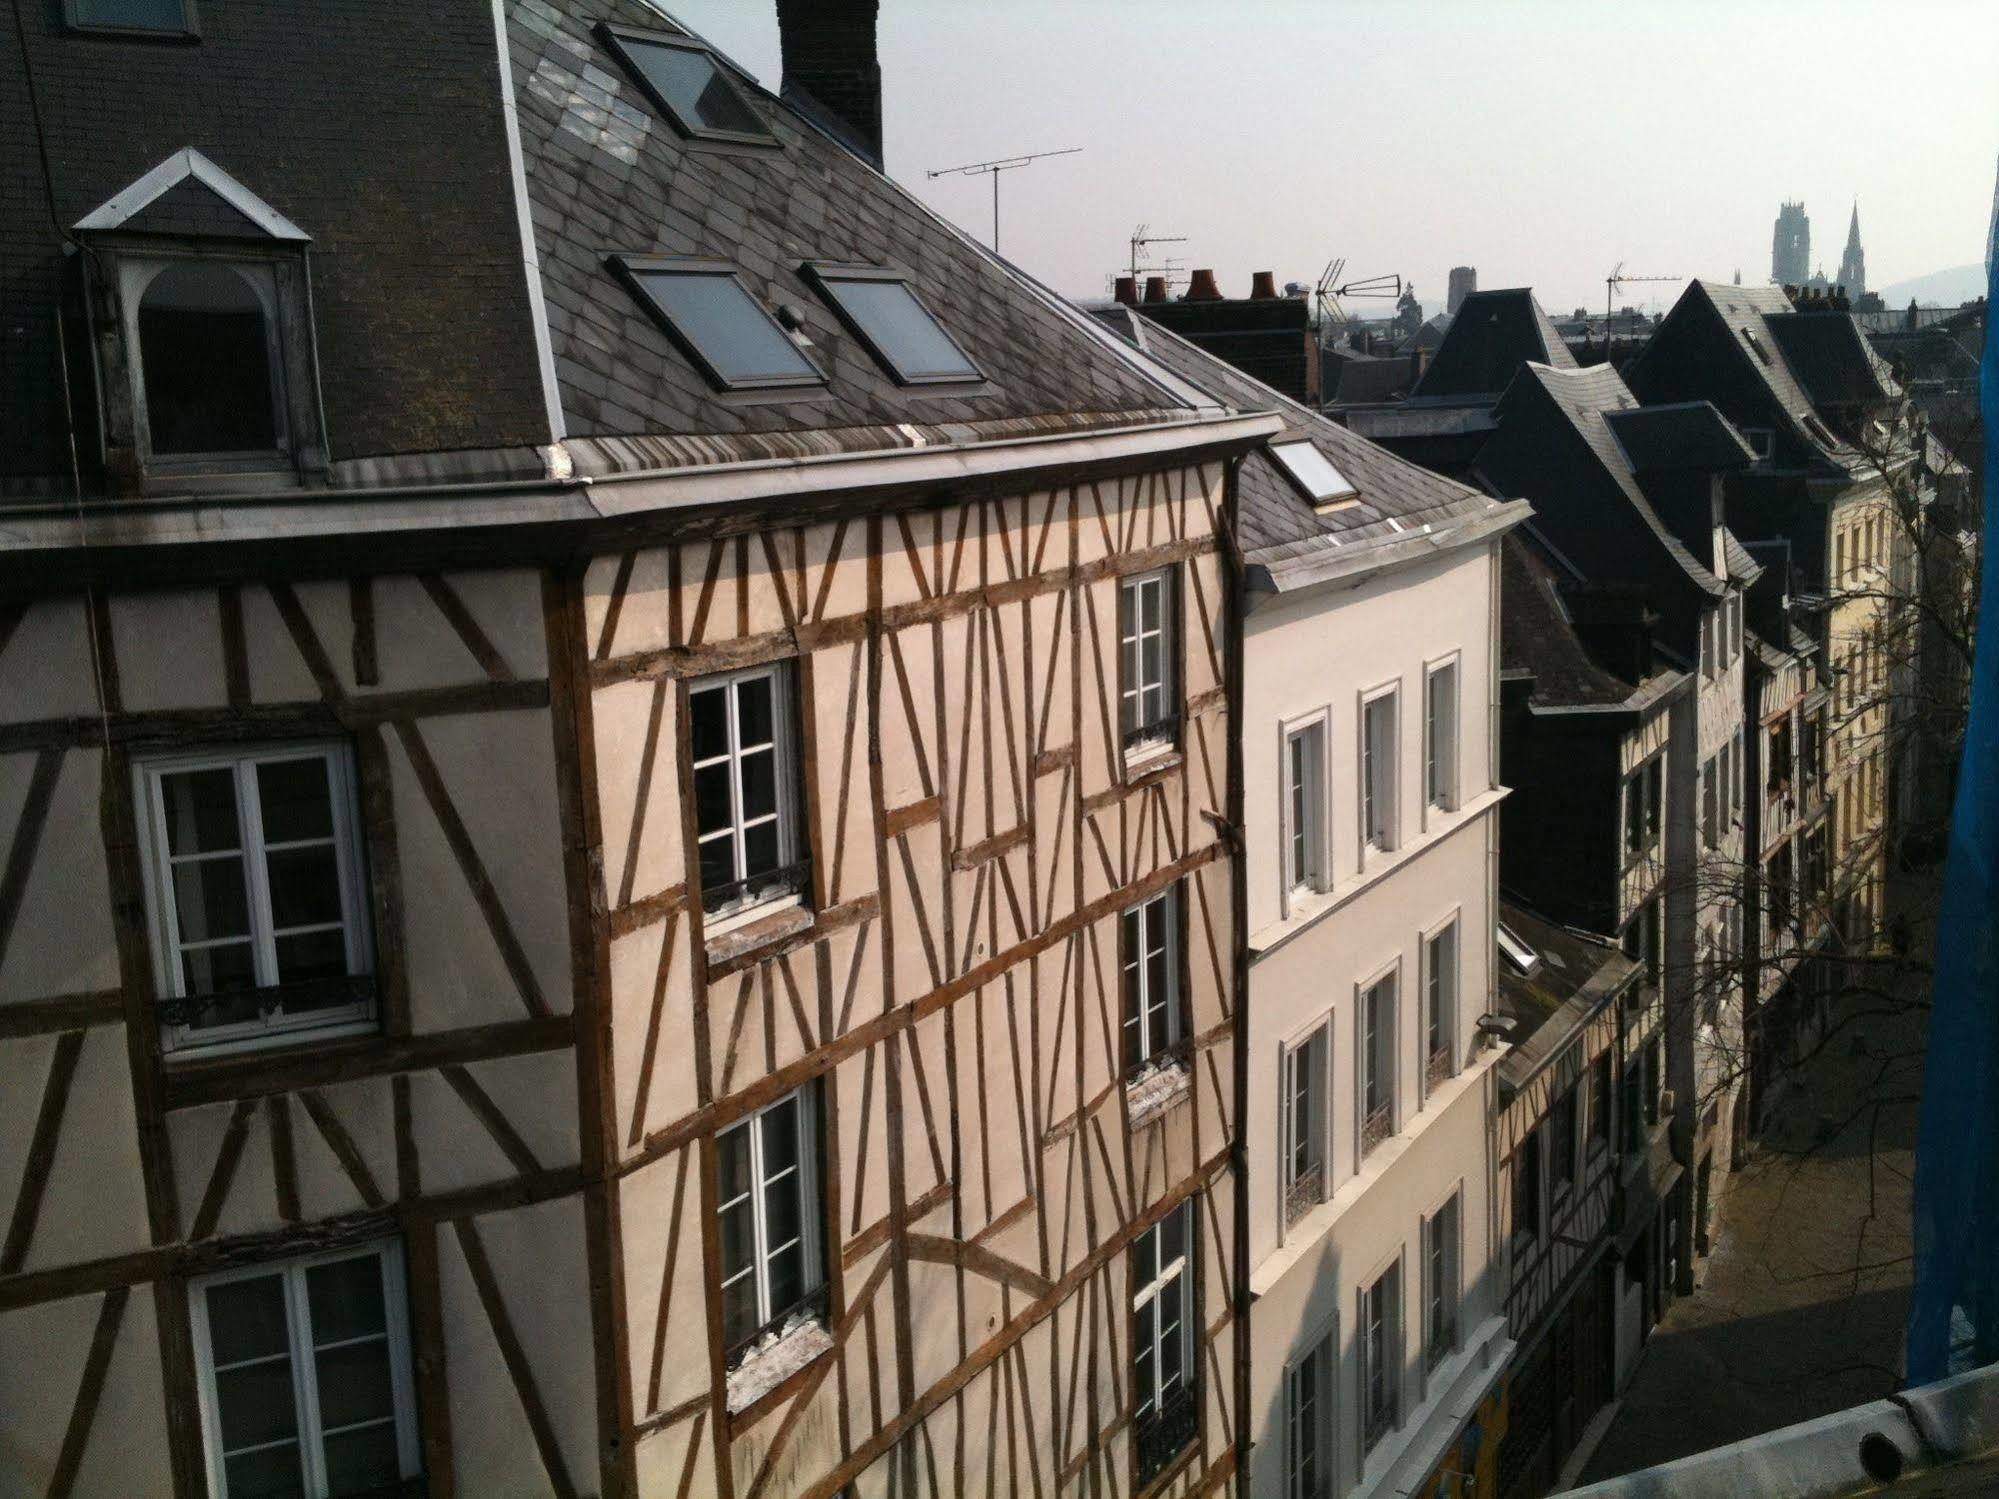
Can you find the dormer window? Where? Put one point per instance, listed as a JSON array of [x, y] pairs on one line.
[[1760, 442], [881, 310], [687, 84], [156, 18], [208, 356], [1313, 472], [705, 308]]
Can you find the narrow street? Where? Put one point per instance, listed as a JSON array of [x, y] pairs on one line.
[[1801, 1305]]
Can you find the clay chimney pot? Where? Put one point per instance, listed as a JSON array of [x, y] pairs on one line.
[[1203, 288], [1263, 284], [1155, 288]]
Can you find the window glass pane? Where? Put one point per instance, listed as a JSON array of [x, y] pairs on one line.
[[246, 1319], [759, 785], [786, 1273], [718, 862], [305, 956], [708, 713], [760, 849], [211, 899], [780, 1142], [361, 1462], [295, 800], [1147, 1394], [694, 86], [714, 802], [734, 334], [1148, 600], [139, 15], [354, 1384], [220, 970], [207, 362], [1312, 469], [1173, 1236], [345, 1299], [739, 1310], [304, 886], [753, 712], [270, 1473], [732, 1163], [200, 811], [901, 328], [254, 1404]]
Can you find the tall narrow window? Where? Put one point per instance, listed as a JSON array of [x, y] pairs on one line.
[[1440, 1005], [1150, 941], [1381, 1357], [1377, 1064], [305, 1376], [1305, 808], [257, 890], [1562, 1141], [1377, 771], [1527, 1191], [1440, 737], [745, 803], [208, 358], [1145, 643], [1305, 1125], [1440, 1284], [767, 1189], [1599, 1102], [1165, 1310], [1710, 805], [1309, 1411]]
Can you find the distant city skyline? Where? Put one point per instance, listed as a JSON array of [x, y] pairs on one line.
[[1542, 142]]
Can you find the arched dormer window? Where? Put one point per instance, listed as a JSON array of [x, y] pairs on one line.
[[209, 358]]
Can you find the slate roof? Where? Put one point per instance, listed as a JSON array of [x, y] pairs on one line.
[[1492, 335], [1537, 636], [1686, 434], [604, 176], [1836, 365], [1571, 962], [1275, 520]]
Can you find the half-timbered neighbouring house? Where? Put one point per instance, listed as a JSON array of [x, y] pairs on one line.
[[615, 767], [1581, 1020], [1370, 825]]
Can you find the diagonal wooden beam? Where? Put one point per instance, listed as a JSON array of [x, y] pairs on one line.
[[284, 1165], [477, 641], [41, 1152], [110, 1314], [515, 1357], [310, 648], [224, 1172], [488, 1113], [977, 1259], [27, 836], [341, 1143]]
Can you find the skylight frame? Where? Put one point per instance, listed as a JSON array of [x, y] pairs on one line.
[[616, 37], [1519, 953], [188, 31], [823, 274], [630, 268], [1335, 498]]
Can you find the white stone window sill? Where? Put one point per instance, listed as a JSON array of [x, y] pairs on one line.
[[770, 1363], [1156, 1090]]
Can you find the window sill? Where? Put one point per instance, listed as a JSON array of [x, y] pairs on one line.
[[1156, 1089], [759, 927], [1145, 760], [191, 1055], [769, 1366]]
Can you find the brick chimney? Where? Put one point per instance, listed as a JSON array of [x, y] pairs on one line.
[[1203, 288], [830, 66]]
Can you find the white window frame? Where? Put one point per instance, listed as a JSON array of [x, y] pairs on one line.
[[811, 1208], [1390, 974], [1150, 1050], [1147, 1295], [748, 906], [1441, 749], [1312, 1433], [1146, 733], [1393, 1316], [273, 1028], [1451, 1002], [1295, 1067], [305, 1385], [1452, 1284], [1378, 822], [1302, 812], [136, 274]]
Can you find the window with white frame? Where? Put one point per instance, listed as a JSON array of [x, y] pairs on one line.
[[1145, 645], [1165, 1311], [1644, 805], [745, 789], [1440, 1284], [1309, 1412], [257, 892], [1710, 805], [305, 1374], [767, 1188], [1149, 943], [1440, 736], [1305, 807], [1440, 1004], [1377, 770], [1381, 1357], [1377, 1063], [1305, 1089]]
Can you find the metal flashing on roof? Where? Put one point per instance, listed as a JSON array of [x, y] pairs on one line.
[[124, 205]]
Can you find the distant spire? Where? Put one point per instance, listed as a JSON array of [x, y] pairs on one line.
[[1853, 229]]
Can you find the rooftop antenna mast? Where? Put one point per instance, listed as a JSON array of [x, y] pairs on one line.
[[993, 169], [1616, 279], [1328, 293], [1140, 240]]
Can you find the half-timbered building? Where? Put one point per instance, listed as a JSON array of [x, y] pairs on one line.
[[616, 790]]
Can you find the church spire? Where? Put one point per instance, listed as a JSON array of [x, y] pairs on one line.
[[1853, 264]]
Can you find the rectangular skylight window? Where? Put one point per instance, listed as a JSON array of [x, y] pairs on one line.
[[1313, 471], [1523, 958], [882, 312], [711, 315], [172, 17], [687, 84]]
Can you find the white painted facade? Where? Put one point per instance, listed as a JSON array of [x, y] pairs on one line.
[[1318, 656]]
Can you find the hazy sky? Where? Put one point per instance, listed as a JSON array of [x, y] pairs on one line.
[[1541, 141]]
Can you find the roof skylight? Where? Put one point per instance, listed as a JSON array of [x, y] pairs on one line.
[[708, 311], [1523, 958], [1313, 471], [879, 308], [687, 84]]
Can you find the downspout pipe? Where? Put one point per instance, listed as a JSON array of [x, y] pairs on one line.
[[1234, 601]]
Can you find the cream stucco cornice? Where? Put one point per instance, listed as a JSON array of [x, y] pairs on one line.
[[1350, 565]]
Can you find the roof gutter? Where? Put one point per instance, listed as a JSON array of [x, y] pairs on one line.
[[1290, 575]]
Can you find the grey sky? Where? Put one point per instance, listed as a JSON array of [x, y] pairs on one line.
[[1539, 140]]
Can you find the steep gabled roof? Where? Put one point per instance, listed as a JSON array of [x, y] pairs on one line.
[[1834, 361], [1683, 435], [1537, 636], [606, 174], [1492, 335]]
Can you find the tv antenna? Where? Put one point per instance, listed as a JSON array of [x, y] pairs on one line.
[[993, 169], [1141, 241], [1330, 289], [1616, 279]]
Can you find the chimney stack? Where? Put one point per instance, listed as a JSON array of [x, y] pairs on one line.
[[1126, 290], [1203, 288], [1263, 284], [830, 66], [1155, 288]]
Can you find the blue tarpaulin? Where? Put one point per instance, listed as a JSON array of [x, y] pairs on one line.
[[1954, 1308]]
